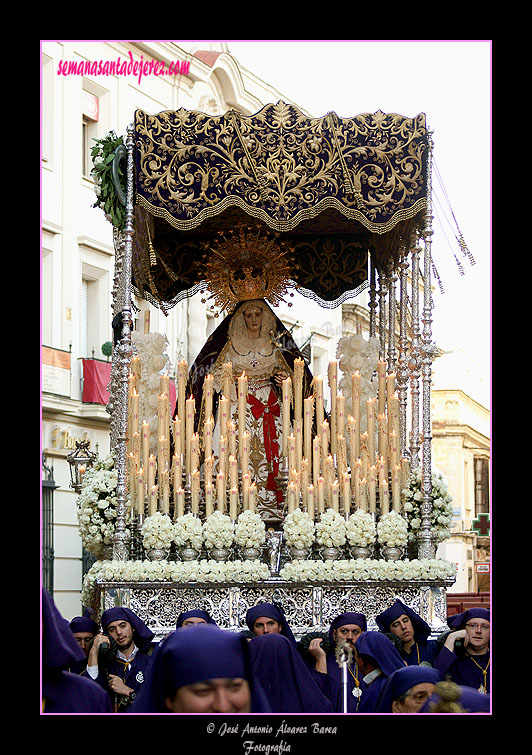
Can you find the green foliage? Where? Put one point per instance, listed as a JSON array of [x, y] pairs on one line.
[[102, 155], [107, 349]]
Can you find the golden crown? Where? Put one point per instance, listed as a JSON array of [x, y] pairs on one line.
[[247, 263]]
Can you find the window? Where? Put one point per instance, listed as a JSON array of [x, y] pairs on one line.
[[90, 108], [482, 500]]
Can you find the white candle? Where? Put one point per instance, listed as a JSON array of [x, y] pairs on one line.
[[291, 451], [165, 491], [321, 494], [154, 497], [347, 492], [310, 502], [190, 410], [372, 489], [318, 395], [316, 458], [180, 503], [291, 497], [372, 413], [207, 437], [194, 452], [335, 495], [396, 488], [140, 491], [208, 395], [233, 471], [208, 499], [246, 484], [145, 441], [252, 504], [242, 399], [231, 437], [244, 452], [299, 367], [220, 491], [381, 376], [224, 408], [182, 371], [355, 385], [333, 385], [233, 503], [307, 426], [194, 490], [152, 467], [286, 394]]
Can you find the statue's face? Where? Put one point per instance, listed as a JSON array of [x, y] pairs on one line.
[[253, 318]]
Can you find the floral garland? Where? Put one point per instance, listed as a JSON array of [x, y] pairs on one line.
[[331, 529], [299, 529], [360, 529], [250, 530], [218, 531], [103, 154], [442, 512], [392, 530], [96, 506], [363, 569], [157, 531], [188, 530], [205, 570]]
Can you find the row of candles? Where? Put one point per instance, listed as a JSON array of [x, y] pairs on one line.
[[317, 472]]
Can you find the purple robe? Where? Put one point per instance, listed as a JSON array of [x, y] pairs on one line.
[[134, 672], [459, 666], [183, 658], [272, 612], [197, 613], [284, 677], [62, 691], [401, 681], [385, 656], [423, 650]]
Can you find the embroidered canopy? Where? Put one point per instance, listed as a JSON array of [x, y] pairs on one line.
[[333, 190]]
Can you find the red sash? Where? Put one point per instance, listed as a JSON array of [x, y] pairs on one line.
[[268, 412]]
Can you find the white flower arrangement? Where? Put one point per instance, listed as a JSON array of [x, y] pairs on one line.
[[97, 504], [392, 530], [368, 570], [442, 513], [171, 571], [218, 531], [250, 530], [299, 529], [157, 531], [188, 530], [331, 529], [360, 529]]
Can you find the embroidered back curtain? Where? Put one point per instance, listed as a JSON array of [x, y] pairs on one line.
[[337, 188]]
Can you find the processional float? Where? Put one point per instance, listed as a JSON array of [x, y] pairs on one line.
[[351, 200]]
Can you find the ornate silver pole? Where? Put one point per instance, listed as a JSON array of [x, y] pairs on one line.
[[124, 358], [391, 318], [426, 548], [414, 365], [383, 283], [402, 365], [372, 305]]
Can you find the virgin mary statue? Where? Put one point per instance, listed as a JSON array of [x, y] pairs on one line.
[[254, 341]]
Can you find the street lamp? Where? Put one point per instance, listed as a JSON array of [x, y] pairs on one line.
[[79, 461]]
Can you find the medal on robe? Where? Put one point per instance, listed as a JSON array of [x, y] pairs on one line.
[[357, 692]]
